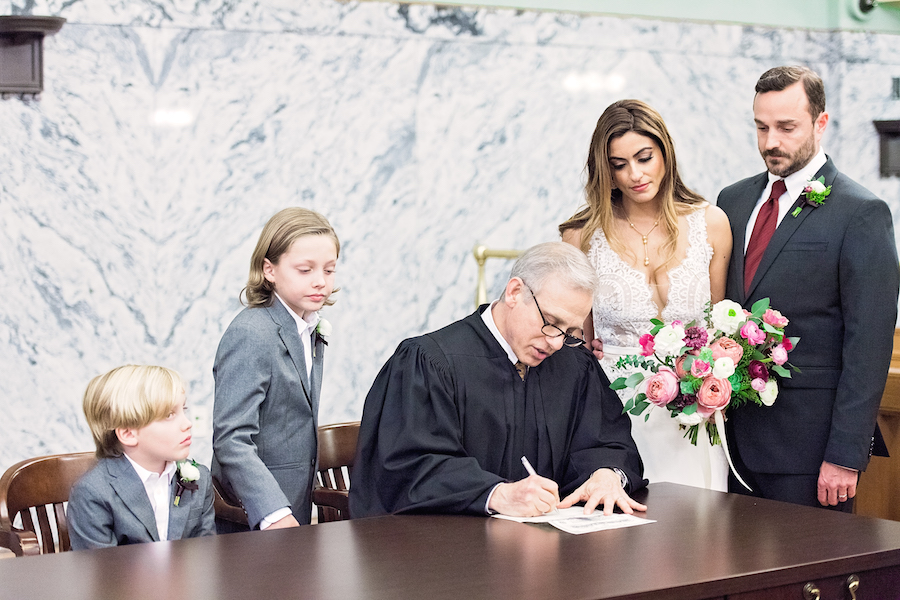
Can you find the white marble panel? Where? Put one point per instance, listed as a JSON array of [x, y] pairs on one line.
[[134, 190]]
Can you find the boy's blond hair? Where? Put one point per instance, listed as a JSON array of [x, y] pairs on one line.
[[281, 231], [130, 396]]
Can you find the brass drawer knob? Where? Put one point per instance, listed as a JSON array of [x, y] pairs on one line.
[[852, 586], [811, 592]]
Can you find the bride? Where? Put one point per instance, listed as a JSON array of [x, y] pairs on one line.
[[661, 251]]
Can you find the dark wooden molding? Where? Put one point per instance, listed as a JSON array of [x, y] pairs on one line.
[[22, 52], [889, 147]]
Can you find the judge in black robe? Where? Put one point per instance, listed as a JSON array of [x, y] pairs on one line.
[[449, 418]]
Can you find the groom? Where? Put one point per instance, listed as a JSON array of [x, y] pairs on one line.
[[832, 270]]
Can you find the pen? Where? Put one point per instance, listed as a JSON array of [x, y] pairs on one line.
[[528, 466]]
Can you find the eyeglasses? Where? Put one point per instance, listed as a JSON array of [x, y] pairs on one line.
[[552, 331]]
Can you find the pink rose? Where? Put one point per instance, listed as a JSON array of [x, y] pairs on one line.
[[779, 354], [679, 366], [727, 347], [705, 412], [751, 332], [758, 384], [700, 368], [775, 318], [646, 342], [757, 370], [662, 387], [714, 393], [787, 344]]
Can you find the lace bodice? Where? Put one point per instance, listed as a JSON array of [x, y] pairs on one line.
[[623, 305]]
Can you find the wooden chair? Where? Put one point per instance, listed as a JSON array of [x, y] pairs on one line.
[[337, 448], [41, 484], [227, 510]]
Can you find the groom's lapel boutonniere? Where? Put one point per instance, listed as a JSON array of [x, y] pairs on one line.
[[814, 195], [188, 473], [323, 332]]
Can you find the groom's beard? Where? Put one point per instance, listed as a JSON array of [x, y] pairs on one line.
[[790, 163]]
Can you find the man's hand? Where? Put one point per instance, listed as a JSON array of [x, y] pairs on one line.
[[836, 484], [596, 346], [532, 496], [604, 487], [283, 523]]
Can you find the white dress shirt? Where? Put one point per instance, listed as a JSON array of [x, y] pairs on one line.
[[305, 328], [157, 486], [488, 319], [794, 184]]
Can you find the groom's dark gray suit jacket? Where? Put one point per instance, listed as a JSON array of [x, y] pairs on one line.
[[832, 270], [109, 506]]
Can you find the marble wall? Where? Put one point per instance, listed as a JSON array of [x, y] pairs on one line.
[[132, 192]]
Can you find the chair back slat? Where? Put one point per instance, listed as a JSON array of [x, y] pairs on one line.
[[27, 521], [47, 545], [62, 525], [337, 449], [42, 484], [339, 482]]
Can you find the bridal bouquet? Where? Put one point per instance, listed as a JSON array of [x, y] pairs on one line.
[[697, 371]]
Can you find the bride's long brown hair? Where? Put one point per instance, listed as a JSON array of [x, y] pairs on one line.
[[604, 203]]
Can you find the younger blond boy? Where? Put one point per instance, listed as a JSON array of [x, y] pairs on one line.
[[143, 489]]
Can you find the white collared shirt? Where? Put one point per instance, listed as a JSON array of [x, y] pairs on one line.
[[305, 328], [794, 183], [157, 486], [488, 319]]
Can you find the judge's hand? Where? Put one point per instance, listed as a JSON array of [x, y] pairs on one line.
[[836, 484], [532, 496], [604, 487], [284, 523], [596, 346]]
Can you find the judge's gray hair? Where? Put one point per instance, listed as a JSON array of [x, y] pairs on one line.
[[564, 262]]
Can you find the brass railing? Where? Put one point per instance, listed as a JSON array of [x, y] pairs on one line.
[[482, 253]]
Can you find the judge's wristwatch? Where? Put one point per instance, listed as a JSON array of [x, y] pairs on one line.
[[623, 478]]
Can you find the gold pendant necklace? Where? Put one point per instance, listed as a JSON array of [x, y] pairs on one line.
[[644, 239]]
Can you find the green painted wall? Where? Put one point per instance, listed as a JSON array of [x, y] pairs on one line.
[[806, 14]]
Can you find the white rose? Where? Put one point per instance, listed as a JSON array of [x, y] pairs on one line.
[[324, 328], [689, 420], [723, 368], [769, 394], [816, 186], [188, 471], [669, 340], [727, 316]]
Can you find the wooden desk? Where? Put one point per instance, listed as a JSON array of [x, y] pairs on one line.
[[704, 545]]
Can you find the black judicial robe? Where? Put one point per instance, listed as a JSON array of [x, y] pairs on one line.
[[448, 418]]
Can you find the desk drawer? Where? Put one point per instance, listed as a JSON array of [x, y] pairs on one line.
[[877, 584]]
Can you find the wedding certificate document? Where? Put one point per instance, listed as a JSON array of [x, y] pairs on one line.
[[573, 520]]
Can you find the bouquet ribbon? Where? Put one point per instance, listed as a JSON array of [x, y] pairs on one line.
[[720, 428]]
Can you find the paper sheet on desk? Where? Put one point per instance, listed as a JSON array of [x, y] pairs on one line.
[[573, 520]]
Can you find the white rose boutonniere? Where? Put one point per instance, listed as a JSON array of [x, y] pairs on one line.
[[188, 473], [323, 332], [324, 329], [814, 195]]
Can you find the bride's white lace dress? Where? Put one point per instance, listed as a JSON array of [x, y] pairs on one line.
[[623, 308]]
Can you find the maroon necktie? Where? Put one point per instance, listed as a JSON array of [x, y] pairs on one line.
[[763, 230]]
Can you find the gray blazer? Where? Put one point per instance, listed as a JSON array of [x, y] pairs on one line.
[[266, 414], [109, 506], [832, 270]]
